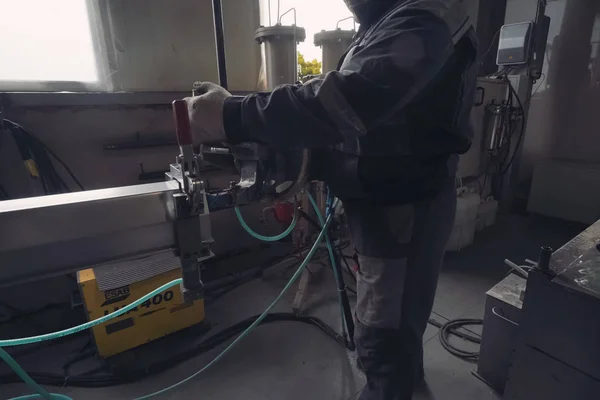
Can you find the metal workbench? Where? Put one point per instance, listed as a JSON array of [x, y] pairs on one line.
[[557, 351]]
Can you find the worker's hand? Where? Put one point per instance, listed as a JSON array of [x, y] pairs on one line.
[[206, 113]]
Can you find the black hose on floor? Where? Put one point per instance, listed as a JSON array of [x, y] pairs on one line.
[[87, 380], [452, 328]]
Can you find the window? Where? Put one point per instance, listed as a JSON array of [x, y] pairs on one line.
[[312, 15], [44, 43]]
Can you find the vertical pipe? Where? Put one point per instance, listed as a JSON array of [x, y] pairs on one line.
[[220, 42], [545, 257]]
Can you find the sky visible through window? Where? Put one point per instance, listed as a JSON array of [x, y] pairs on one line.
[[53, 43], [312, 15]]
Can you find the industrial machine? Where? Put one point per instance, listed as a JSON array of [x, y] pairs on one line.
[[540, 328], [280, 50], [488, 172], [130, 239], [334, 44]]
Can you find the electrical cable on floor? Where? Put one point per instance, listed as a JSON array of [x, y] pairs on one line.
[[20, 314], [451, 328], [36, 339], [86, 381]]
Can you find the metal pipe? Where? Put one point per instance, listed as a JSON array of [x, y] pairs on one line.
[[269, 12], [278, 10], [517, 268], [337, 25], [286, 13], [545, 257], [220, 42]]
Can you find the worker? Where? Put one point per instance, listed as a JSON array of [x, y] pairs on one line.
[[385, 131]]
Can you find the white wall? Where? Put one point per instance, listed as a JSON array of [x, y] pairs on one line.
[[563, 117], [167, 45]]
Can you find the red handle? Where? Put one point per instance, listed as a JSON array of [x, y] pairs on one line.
[[182, 123]]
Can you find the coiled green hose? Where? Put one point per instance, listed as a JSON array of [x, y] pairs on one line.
[[262, 237], [41, 392]]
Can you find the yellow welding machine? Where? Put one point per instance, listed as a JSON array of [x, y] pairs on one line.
[[110, 287]]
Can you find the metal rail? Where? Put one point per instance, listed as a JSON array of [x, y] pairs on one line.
[[51, 235]]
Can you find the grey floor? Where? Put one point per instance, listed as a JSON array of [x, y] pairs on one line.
[[295, 361]]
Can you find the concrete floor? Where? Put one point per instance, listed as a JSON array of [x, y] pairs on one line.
[[295, 361]]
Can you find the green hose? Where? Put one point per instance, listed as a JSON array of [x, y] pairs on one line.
[[41, 392], [27, 379], [262, 237], [91, 324], [294, 278], [287, 232], [331, 259]]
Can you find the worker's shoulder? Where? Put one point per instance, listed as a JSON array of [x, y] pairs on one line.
[[441, 16]]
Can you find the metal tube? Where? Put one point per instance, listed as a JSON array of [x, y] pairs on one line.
[[545, 257], [281, 53], [51, 235], [335, 44], [220, 42]]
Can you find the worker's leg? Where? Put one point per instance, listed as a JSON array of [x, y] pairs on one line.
[[433, 226], [400, 253]]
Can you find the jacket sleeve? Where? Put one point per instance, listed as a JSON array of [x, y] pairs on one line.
[[377, 80]]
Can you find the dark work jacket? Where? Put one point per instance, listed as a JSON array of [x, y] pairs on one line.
[[388, 126]]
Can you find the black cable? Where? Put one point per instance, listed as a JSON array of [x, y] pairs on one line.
[[213, 296], [4, 194], [86, 380], [310, 220], [522, 130], [77, 359], [20, 314], [452, 328], [484, 55], [65, 166], [349, 270], [543, 78], [37, 155]]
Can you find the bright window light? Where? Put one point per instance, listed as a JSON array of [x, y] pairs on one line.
[[46, 40]]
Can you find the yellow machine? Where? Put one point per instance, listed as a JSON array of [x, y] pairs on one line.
[[162, 315]]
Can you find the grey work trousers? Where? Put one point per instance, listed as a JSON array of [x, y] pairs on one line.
[[400, 250]]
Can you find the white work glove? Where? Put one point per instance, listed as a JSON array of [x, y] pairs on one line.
[[206, 113]]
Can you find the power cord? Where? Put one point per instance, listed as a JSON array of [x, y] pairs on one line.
[[452, 328], [264, 316], [522, 130], [85, 380], [37, 157], [4, 194]]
